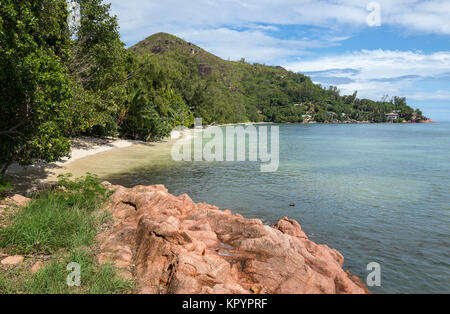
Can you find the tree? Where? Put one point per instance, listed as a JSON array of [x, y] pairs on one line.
[[99, 64], [143, 121], [399, 101], [35, 88]]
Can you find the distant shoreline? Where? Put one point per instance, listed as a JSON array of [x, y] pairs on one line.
[[364, 122]]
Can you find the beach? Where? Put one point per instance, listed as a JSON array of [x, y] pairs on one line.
[[99, 156]]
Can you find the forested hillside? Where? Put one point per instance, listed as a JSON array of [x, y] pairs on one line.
[[59, 80], [223, 91]]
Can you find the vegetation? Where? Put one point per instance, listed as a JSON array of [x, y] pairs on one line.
[[60, 79], [5, 185], [34, 83], [57, 219], [99, 66], [52, 279], [223, 91], [57, 81], [62, 224]]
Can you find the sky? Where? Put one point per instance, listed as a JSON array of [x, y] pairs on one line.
[[378, 48]]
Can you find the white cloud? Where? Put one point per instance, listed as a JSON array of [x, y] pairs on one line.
[[437, 95], [253, 45], [138, 17], [376, 64], [242, 28], [252, 28], [374, 73]]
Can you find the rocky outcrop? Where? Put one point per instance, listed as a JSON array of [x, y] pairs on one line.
[[170, 244], [426, 120], [12, 260], [18, 200]]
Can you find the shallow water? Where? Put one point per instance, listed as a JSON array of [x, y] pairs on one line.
[[377, 193]]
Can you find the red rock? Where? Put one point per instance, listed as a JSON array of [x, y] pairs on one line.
[[172, 245], [12, 260], [19, 200], [290, 227], [36, 267]]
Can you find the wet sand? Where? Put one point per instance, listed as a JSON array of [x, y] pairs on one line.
[[101, 157], [118, 160]]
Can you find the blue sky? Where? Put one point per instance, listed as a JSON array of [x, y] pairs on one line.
[[406, 52]]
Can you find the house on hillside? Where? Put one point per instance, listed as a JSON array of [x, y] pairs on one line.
[[391, 117]]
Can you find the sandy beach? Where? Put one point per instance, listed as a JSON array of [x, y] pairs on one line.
[[100, 156]]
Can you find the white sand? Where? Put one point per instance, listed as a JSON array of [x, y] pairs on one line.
[[103, 157], [85, 147]]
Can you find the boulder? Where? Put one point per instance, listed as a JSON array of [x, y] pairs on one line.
[[19, 200], [36, 267], [171, 245], [12, 260]]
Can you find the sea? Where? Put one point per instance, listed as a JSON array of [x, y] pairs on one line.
[[378, 193]]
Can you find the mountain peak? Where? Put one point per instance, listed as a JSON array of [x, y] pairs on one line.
[[162, 43]]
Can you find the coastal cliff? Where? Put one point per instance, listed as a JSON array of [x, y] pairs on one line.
[[172, 245]]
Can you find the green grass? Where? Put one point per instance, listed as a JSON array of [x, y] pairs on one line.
[[52, 279], [4, 285], [61, 223], [57, 219]]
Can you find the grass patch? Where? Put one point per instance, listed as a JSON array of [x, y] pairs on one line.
[[62, 219], [62, 223], [52, 279], [4, 285]]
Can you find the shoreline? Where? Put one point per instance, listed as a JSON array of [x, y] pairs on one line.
[[84, 147], [27, 180], [207, 243]]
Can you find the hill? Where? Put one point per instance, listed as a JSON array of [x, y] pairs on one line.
[[222, 91]]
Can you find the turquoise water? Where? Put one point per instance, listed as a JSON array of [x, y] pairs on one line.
[[376, 192]]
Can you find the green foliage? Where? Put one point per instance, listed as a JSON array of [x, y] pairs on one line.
[[222, 91], [52, 279], [95, 279], [58, 219], [55, 84], [5, 286], [142, 120], [155, 105], [35, 87], [99, 65], [5, 185], [63, 223]]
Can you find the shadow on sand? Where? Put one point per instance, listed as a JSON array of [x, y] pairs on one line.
[[27, 180]]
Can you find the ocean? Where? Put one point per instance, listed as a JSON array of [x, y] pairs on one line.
[[375, 192]]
